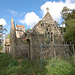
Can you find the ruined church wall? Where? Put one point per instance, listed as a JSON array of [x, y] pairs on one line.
[[7, 49], [18, 47], [54, 51], [12, 37], [21, 48], [46, 50], [36, 41]]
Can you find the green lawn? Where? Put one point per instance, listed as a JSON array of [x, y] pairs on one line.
[[9, 66]]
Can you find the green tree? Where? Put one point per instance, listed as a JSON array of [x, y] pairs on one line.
[[8, 37], [65, 12], [5, 29], [69, 20], [1, 36], [70, 29]]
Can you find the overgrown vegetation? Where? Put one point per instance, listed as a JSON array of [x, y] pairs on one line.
[[9, 66], [1, 47]]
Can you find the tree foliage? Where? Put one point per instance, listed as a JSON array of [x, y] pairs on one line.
[[65, 12], [69, 19], [8, 36], [5, 29]]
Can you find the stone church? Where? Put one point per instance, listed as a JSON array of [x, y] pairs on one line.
[[45, 31], [48, 27]]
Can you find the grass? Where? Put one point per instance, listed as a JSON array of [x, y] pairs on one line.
[[60, 67], [10, 66]]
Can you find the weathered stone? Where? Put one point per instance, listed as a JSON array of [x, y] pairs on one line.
[[44, 32]]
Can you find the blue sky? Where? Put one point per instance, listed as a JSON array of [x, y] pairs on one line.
[[29, 12]]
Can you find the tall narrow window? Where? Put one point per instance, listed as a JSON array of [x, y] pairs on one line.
[[51, 36], [48, 37]]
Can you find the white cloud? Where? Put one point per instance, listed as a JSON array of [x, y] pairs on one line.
[[30, 19], [56, 8], [2, 22], [70, 1], [13, 12]]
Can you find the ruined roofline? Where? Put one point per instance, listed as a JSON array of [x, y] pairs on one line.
[[36, 25], [20, 26], [12, 21]]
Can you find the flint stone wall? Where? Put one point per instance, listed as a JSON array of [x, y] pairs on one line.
[[21, 48], [46, 51]]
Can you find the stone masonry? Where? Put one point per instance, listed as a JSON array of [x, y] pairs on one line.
[[44, 32]]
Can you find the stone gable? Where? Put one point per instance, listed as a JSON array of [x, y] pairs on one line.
[[48, 26], [48, 18]]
